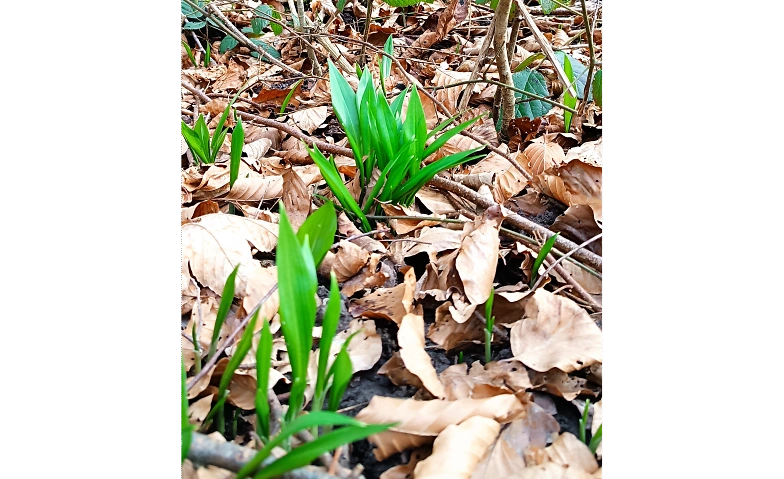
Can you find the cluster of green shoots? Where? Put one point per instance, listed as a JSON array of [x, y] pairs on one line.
[[388, 150], [297, 256], [593, 444]]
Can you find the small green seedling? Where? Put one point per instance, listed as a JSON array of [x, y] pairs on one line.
[[187, 427], [543, 252], [489, 323], [568, 99], [597, 438]]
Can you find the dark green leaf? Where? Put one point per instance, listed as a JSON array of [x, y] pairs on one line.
[[340, 5], [441, 140], [331, 176], [386, 62], [531, 81], [200, 127], [187, 428], [266, 47], [306, 453], [194, 25], [194, 143], [258, 24], [528, 61], [344, 103], [227, 44], [548, 6], [407, 192], [596, 440]]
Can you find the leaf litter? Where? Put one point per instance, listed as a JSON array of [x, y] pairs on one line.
[[415, 290]]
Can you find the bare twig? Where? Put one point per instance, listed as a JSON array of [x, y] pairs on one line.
[[566, 256], [504, 96], [232, 457], [368, 18], [592, 64], [477, 66], [579, 290], [498, 83]]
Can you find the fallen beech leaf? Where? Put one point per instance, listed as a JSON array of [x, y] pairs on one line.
[[458, 449], [448, 333], [406, 226], [551, 470], [434, 241], [435, 201], [484, 381], [478, 257], [364, 350], [200, 408], [242, 391], [589, 152], [349, 260], [578, 224], [387, 303], [540, 157], [296, 199], [569, 451], [374, 274], [557, 333], [559, 383], [404, 471], [500, 461], [411, 339], [507, 180], [397, 372], [309, 119], [426, 419]]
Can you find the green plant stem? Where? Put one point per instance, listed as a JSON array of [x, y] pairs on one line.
[[488, 338], [564, 257], [368, 18]]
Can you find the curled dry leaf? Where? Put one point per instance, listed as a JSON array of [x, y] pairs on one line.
[[507, 180], [406, 226], [539, 157], [200, 408], [490, 380], [433, 241], [374, 274], [348, 260], [557, 333], [426, 419], [242, 391], [458, 449], [411, 338], [397, 372], [569, 451], [296, 199], [448, 333], [559, 383], [309, 119], [435, 201], [578, 224], [387, 303], [478, 256], [405, 471]]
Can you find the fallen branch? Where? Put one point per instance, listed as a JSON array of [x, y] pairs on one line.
[[233, 457]]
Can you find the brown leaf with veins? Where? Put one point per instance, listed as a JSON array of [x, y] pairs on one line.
[[296, 199], [411, 339], [578, 224], [569, 451], [420, 421], [200, 408], [433, 241], [309, 119], [539, 157], [551, 470], [559, 383], [349, 260], [478, 256], [387, 303], [557, 333], [490, 380], [458, 449], [214, 243], [507, 180]]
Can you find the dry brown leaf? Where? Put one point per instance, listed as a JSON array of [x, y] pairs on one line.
[[551, 470], [448, 333], [214, 244], [539, 157], [569, 451], [387, 303], [231, 79], [411, 339], [426, 419], [309, 119], [484, 381], [433, 241], [374, 274], [199, 409], [449, 96], [347, 228], [500, 461], [589, 282], [296, 198], [458, 449], [404, 471], [507, 180], [435, 201], [557, 333], [578, 224], [397, 372], [589, 152], [213, 472], [559, 383], [349, 260], [406, 226], [478, 256], [364, 350]]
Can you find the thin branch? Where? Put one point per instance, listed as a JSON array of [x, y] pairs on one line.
[[566, 256], [592, 64], [232, 457], [504, 96]]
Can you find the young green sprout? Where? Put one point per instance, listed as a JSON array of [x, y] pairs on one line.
[[489, 323], [543, 252]]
